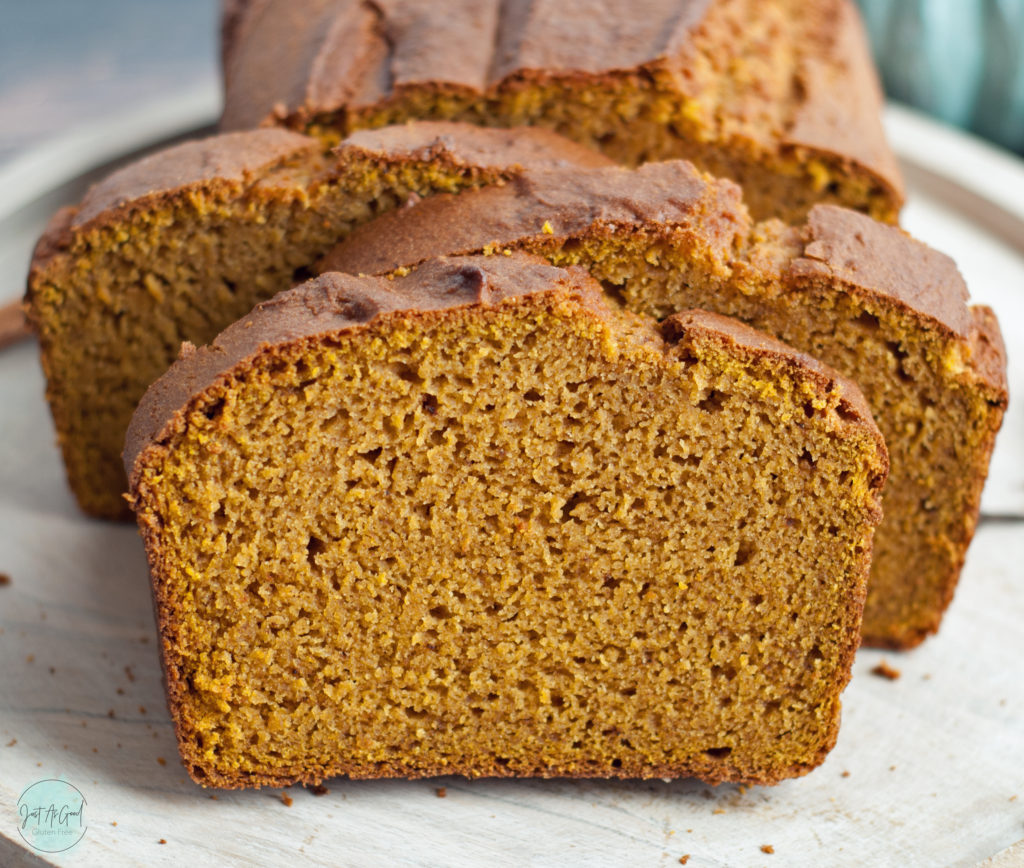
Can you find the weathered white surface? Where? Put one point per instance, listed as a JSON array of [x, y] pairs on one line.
[[935, 759]]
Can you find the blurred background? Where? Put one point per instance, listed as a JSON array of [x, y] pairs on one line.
[[67, 62]]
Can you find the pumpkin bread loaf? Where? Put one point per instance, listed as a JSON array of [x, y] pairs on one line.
[[880, 307], [477, 520], [180, 244], [779, 95]]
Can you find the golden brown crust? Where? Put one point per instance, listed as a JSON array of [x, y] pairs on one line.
[[459, 145], [228, 159], [870, 257], [661, 197], [334, 304]]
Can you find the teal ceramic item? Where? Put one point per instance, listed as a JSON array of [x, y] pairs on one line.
[[960, 60]]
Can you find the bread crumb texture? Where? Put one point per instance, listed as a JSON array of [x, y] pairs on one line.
[[525, 538]]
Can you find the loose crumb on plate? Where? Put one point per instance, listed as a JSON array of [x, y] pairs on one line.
[[845, 774], [129, 673], [319, 790], [442, 792], [884, 670], [161, 760], [14, 741], [684, 859], [767, 848], [4, 579], [287, 800], [162, 841]]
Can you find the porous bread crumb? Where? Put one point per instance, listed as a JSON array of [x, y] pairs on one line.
[[161, 760], [599, 457]]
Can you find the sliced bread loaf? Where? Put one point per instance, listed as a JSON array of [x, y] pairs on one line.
[[476, 520]]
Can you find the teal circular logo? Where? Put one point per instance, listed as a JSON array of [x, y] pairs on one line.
[[51, 815]]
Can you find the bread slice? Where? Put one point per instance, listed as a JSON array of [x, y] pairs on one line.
[[180, 244], [477, 521], [779, 95], [880, 307]]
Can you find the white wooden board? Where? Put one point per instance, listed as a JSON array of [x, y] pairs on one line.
[[935, 759]]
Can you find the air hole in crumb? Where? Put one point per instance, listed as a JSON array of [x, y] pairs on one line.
[[868, 321], [806, 460], [718, 752], [757, 599], [809, 409], [687, 461], [714, 402], [371, 455], [628, 691], [845, 411], [575, 499], [405, 372], [314, 547], [615, 292], [214, 409], [440, 612], [611, 583], [532, 395], [616, 763], [744, 553], [772, 706], [429, 403], [557, 700], [726, 672], [813, 656]]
